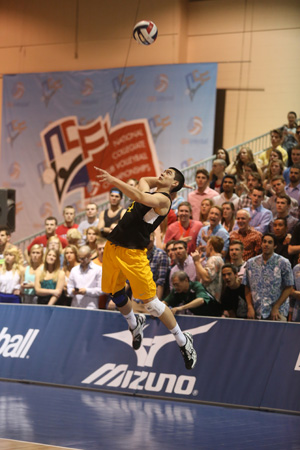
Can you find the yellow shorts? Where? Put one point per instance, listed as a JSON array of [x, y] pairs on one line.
[[121, 264]]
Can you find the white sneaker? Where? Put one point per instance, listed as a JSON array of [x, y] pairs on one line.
[[137, 333], [188, 352]]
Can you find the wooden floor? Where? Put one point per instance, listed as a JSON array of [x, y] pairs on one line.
[[43, 418], [7, 444]]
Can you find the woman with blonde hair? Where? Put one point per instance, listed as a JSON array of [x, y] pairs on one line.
[[74, 237], [11, 275], [70, 261], [50, 279], [205, 206], [236, 168], [92, 234], [35, 261], [228, 216], [276, 167]]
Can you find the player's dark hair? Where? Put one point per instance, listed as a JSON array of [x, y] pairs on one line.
[[178, 177]]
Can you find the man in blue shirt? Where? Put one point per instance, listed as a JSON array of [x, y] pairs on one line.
[[269, 281], [260, 217], [213, 229]]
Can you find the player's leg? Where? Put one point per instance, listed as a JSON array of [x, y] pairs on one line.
[[185, 340], [114, 258]]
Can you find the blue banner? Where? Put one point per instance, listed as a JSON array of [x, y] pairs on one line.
[[240, 362], [57, 126]]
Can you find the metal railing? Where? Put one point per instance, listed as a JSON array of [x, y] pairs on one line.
[[257, 145]]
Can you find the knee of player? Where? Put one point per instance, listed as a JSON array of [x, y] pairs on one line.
[[156, 308], [119, 298]]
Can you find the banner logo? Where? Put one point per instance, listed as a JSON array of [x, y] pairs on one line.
[[18, 90], [14, 170], [161, 83], [49, 88], [158, 124], [195, 126], [194, 80], [16, 346], [87, 87], [14, 129], [120, 85], [115, 375], [72, 151]]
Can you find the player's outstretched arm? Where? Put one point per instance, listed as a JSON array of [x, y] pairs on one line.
[[136, 194]]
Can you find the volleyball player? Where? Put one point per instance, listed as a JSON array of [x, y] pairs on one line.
[[125, 255]]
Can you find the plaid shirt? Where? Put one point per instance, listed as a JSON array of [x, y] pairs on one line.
[[159, 264]]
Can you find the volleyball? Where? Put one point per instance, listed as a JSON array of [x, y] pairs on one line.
[[145, 32]]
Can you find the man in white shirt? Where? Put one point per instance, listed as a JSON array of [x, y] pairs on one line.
[[92, 220], [84, 283], [228, 195]]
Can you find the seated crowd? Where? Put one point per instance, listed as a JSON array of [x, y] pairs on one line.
[[231, 250]]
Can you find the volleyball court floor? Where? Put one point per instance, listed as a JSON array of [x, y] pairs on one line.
[[35, 417]]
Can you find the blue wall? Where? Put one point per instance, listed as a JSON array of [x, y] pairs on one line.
[[240, 362]]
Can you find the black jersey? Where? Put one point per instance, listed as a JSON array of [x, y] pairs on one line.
[[108, 221], [134, 229]]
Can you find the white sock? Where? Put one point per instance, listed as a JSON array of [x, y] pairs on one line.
[[179, 336], [131, 320]]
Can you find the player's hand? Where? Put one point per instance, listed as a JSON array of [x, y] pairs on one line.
[[187, 186], [103, 175]]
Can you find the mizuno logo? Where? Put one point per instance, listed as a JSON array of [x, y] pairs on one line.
[[114, 375]]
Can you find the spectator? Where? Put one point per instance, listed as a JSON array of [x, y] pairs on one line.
[[295, 159], [35, 261], [245, 156], [55, 244], [11, 276], [74, 237], [50, 279], [223, 154], [228, 216], [92, 220], [159, 264], [176, 200], [294, 245], [254, 180], [278, 185], [185, 229], [289, 132], [233, 299], [100, 244], [236, 250], [70, 260], [217, 174], [5, 244], [260, 217], [92, 234], [84, 283], [191, 296], [213, 229], [250, 238], [205, 207], [50, 230], [282, 238], [283, 204], [295, 301], [210, 275], [110, 217], [275, 168], [183, 261], [69, 222], [203, 191], [276, 141], [269, 282], [170, 252], [293, 188], [228, 194]]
